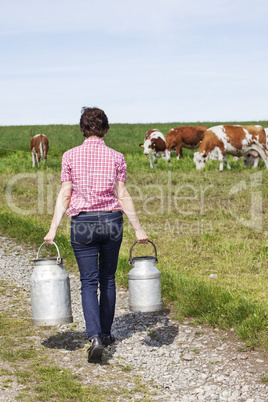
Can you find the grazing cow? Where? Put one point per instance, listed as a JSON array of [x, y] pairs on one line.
[[39, 148], [234, 140], [184, 136], [155, 147]]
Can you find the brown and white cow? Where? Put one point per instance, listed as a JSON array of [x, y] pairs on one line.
[[234, 140], [184, 136], [155, 147], [39, 148]]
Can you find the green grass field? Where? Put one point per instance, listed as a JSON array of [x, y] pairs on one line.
[[202, 222]]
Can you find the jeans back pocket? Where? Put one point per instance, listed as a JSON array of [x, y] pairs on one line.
[[82, 232]]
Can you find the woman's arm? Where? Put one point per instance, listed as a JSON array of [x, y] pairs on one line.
[[61, 207], [128, 207]]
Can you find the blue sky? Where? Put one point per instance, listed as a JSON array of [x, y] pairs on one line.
[[146, 61]]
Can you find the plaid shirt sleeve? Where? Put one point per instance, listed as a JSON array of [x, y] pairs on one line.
[[65, 168], [122, 169]]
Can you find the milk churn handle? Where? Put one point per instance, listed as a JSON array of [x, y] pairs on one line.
[[130, 256], [58, 258]]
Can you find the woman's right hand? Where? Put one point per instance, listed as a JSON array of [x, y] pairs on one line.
[[50, 236], [141, 236]]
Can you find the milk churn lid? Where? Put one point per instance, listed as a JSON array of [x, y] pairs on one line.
[[131, 259], [57, 260]]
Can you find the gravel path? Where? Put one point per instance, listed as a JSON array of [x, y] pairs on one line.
[[173, 362]]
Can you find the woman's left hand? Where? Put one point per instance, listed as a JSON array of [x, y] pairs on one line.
[[49, 238]]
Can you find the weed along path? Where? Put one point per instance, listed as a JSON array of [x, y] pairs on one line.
[[154, 357]]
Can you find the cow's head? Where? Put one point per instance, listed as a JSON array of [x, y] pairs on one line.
[[200, 160], [148, 146], [171, 144]]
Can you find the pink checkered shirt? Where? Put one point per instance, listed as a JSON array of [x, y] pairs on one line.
[[93, 169]]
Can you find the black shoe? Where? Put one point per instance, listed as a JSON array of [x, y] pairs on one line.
[[95, 351], [107, 340]]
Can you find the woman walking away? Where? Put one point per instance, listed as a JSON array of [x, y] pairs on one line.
[[93, 193]]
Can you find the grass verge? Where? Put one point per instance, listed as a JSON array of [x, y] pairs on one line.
[[209, 303]]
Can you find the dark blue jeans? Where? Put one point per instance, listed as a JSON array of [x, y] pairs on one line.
[[96, 239]]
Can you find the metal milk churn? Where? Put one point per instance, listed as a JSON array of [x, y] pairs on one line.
[[50, 291], [144, 282]]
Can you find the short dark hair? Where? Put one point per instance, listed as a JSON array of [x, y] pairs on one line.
[[93, 121]]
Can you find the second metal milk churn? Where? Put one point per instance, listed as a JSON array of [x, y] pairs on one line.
[[50, 291], [144, 282]]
